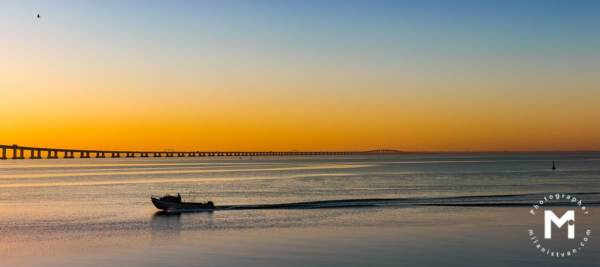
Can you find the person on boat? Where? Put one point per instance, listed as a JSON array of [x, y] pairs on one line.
[[169, 198]]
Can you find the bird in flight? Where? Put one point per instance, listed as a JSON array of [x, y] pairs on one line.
[[38, 16]]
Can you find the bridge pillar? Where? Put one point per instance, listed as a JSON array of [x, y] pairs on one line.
[[3, 155], [115, 155], [18, 153], [69, 155], [84, 154], [100, 155], [35, 154]]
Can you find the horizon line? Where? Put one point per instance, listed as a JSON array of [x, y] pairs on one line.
[[374, 151]]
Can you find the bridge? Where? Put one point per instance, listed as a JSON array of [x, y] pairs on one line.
[[25, 152]]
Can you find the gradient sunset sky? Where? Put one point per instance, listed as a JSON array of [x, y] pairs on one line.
[[301, 75]]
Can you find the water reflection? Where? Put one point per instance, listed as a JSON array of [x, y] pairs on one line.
[[169, 225], [165, 226]]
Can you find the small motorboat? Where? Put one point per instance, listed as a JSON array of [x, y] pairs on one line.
[[170, 203]]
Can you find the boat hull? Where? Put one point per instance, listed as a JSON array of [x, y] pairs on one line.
[[180, 206]]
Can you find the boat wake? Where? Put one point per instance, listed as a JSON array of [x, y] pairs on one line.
[[592, 198]]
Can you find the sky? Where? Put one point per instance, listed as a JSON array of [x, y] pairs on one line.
[[301, 75]]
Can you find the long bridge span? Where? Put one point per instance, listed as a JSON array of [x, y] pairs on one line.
[[26, 152]]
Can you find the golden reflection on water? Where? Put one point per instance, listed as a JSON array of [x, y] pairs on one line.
[[166, 180], [185, 171], [26, 164]]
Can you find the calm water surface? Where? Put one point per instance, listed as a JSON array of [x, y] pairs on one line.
[[96, 212]]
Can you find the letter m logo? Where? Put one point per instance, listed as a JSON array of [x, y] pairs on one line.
[[551, 218]]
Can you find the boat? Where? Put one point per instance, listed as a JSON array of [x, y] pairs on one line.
[[170, 203]]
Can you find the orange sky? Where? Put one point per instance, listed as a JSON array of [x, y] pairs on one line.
[[263, 82]]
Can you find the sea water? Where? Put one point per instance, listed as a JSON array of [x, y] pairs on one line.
[[97, 212]]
